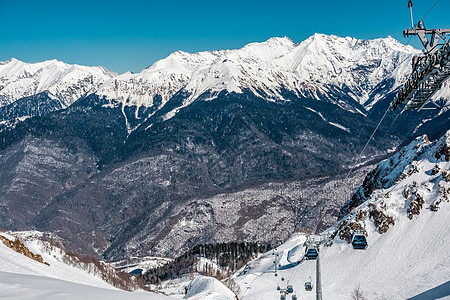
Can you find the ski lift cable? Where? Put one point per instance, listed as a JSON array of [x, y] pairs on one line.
[[429, 10], [294, 272], [390, 127], [359, 159], [367, 143]]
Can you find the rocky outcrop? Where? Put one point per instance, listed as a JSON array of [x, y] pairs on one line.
[[19, 247], [414, 179]]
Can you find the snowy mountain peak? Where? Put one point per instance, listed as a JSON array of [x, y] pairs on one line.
[[273, 43], [344, 71], [8, 61], [319, 67], [63, 82]]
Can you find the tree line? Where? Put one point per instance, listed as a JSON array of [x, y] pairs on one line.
[[228, 256]]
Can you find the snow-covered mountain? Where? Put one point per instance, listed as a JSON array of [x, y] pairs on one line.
[[405, 216], [318, 68], [322, 67], [28, 90], [63, 82], [138, 149], [422, 169]]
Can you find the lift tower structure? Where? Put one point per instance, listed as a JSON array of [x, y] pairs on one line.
[[429, 71]]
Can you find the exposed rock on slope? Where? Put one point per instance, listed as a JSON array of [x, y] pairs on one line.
[[414, 179], [141, 159]]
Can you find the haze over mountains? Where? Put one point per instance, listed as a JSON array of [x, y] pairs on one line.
[[161, 160]]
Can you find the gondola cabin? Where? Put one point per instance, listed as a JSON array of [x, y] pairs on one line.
[[308, 286], [311, 252], [290, 289], [359, 240]]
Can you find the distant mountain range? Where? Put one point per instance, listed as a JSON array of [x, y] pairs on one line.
[[107, 160]]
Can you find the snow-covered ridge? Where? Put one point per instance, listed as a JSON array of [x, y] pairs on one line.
[[315, 68], [15, 262], [321, 67], [63, 82], [415, 178], [62, 278]]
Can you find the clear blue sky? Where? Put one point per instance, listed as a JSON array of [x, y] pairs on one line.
[[131, 34]]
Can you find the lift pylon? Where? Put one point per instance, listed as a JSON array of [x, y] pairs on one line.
[[429, 71]]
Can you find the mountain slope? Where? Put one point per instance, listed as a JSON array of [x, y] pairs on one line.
[[62, 81], [34, 171], [341, 70], [404, 258], [116, 166], [211, 147], [24, 278], [36, 89]]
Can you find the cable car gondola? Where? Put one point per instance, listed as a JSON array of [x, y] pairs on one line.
[[359, 240], [289, 289], [308, 285], [312, 252]]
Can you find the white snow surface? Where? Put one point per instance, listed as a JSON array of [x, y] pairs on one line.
[[33, 287], [411, 259], [14, 262], [24, 278], [312, 68], [316, 68], [208, 288], [64, 82]]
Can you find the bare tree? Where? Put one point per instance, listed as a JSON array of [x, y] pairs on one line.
[[233, 286], [358, 294]]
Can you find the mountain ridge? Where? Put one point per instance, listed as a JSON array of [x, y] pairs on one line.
[[106, 165], [314, 68]]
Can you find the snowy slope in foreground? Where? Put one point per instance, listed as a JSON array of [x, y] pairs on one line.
[[208, 288], [24, 278], [31, 287], [411, 258], [13, 262]]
